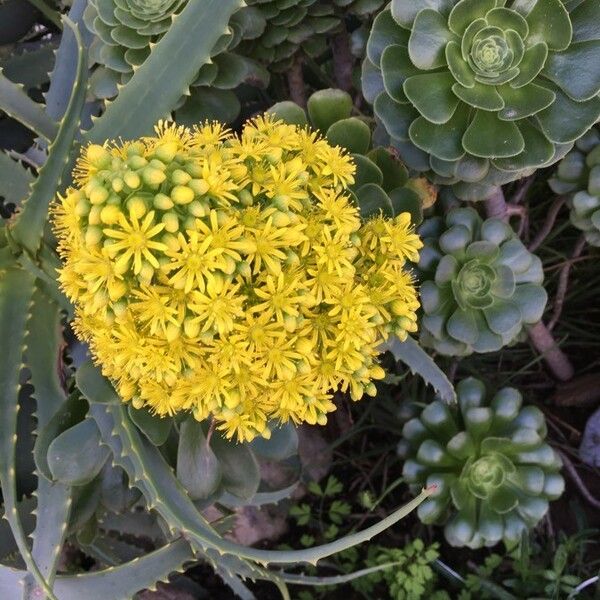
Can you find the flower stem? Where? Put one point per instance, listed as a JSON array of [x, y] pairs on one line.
[[541, 338], [495, 205], [342, 60], [295, 79]]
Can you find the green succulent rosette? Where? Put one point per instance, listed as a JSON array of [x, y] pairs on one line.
[[382, 182], [478, 93], [290, 26], [125, 30], [494, 473], [578, 175], [480, 285]]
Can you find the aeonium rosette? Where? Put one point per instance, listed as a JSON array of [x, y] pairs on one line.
[[479, 93], [232, 276]]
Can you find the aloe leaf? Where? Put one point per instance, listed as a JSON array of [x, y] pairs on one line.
[[148, 470], [166, 74], [44, 347], [16, 291], [64, 73], [15, 180], [118, 583], [411, 354], [15, 102], [28, 226]]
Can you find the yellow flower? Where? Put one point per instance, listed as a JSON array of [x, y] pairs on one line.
[[134, 239], [231, 277]]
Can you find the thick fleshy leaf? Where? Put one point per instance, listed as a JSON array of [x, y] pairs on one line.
[[503, 500], [549, 22], [466, 11], [532, 63], [460, 530], [239, 467], [432, 96], [462, 326], [443, 141], [395, 174], [154, 427], [467, 39], [480, 96], [524, 101], [366, 172], [472, 168], [325, 107], [373, 201], [502, 316], [352, 134], [586, 21], [385, 32], [405, 11], [428, 40], [76, 456], [489, 137], [458, 65], [198, 468], [576, 70], [396, 68], [538, 150], [505, 19], [447, 270], [396, 117], [491, 524], [371, 81], [405, 200], [566, 120], [454, 240], [504, 285], [282, 444], [531, 300], [289, 112]]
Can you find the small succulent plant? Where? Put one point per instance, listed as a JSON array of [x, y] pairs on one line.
[[480, 285], [381, 181], [125, 30], [487, 456], [290, 25], [578, 174], [479, 93]]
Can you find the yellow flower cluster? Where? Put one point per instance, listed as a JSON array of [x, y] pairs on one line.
[[230, 275]]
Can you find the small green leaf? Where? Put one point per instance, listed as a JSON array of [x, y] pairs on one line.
[[325, 107], [489, 137], [532, 63], [524, 101], [76, 456], [154, 427], [565, 120], [239, 467], [467, 11], [89, 378], [68, 415], [208, 104], [395, 174], [198, 468], [352, 134], [373, 201], [282, 444], [432, 96], [458, 66], [396, 68], [549, 22], [289, 112], [396, 117], [405, 200], [443, 141], [428, 40], [480, 96], [385, 33], [366, 172], [576, 70]]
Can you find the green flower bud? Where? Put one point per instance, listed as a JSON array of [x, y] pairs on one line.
[[163, 202]]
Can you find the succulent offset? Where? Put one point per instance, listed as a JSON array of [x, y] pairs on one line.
[[478, 93], [494, 472], [125, 31], [578, 175], [381, 179], [480, 285], [231, 276]]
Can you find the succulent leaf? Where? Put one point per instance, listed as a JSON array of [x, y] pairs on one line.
[[578, 175], [508, 84], [494, 472], [480, 287]]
